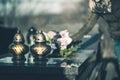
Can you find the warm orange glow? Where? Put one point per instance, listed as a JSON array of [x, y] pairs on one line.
[[18, 49], [40, 50]]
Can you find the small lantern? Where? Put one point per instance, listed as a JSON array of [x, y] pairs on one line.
[[30, 35], [40, 49], [18, 48], [30, 41]]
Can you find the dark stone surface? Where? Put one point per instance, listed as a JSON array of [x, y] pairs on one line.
[[51, 71]]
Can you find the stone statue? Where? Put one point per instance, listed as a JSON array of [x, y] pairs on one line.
[[109, 10]]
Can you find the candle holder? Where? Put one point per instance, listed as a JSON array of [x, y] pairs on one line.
[[30, 41], [18, 48], [40, 49]]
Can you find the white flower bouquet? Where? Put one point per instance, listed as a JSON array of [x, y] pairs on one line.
[[60, 41]]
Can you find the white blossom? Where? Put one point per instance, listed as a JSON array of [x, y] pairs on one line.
[[51, 34], [64, 40]]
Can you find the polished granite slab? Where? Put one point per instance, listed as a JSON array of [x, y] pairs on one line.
[[64, 68], [76, 58]]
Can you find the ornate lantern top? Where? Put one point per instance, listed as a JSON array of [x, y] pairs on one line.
[[32, 29], [18, 38], [40, 37]]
